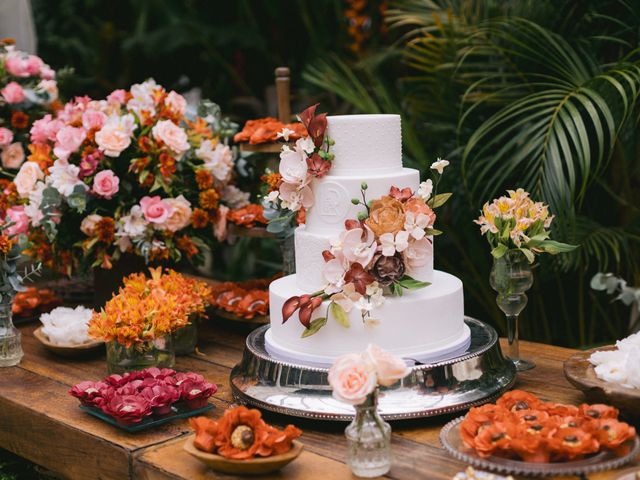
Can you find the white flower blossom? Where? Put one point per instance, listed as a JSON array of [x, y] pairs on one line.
[[284, 134], [439, 165]]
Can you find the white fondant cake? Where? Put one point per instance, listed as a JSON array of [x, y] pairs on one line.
[[425, 324]]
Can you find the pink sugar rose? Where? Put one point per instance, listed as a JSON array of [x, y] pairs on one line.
[[389, 368], [418, 253], [6, 136], [13, 156], [68, 141], [20, 220], [93, 119], [352, 378], [155, 209], [174, 137], [106, 184], [13, 93], [45, 129], [117, 96]]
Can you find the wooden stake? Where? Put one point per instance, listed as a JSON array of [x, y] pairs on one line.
[[283, 91]]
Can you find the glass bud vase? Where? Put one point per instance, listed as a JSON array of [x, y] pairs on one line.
[[152, 353], [185, 339], [368, 441], [511, 277], [10, 338]]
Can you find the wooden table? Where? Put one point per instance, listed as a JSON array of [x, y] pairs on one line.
[[41, 422]]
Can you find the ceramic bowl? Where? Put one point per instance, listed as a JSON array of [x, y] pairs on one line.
[[67, 350], [255, 466]]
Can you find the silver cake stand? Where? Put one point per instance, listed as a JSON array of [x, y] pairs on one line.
[[477, 376]]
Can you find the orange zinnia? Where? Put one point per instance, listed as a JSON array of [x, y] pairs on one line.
[[209, 199], [204, 179], [199, 218], [19, 120]]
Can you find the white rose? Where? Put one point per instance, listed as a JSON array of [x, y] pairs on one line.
[[174, 137], [88, 224], [180, 214], [27, 177]]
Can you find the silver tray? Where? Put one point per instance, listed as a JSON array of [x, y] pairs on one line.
[[477, 376], [600, 462]]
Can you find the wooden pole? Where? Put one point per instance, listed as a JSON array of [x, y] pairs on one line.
[[283, 92]]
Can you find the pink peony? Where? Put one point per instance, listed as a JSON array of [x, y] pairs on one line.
[[155, 209], [93, 119], [19, 64], [45, 129], [68, 141], [13, 93], [176, 103], [174, 137], [352, 378], [106, 184], [6, 136], [19, 219], [117, 96], [13, 156], [389, 368]]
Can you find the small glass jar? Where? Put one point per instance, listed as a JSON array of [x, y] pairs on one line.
[[152, 353], [10, 337], [369, 441], [185, 339]]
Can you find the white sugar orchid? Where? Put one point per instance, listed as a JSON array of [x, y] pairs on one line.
[[347, 297], [391, 245], [285, 133], [333, 272], [425, 190], [439, 165], [306, 145], [416, 224], [358, 245]]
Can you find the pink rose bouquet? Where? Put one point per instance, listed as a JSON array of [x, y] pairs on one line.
[[28, 91], [134, 396], [355, 377], [129, 174]]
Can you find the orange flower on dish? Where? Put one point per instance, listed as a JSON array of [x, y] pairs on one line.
[[559, 409], [571, 443], [518, 400], [248, 216], [228, 300], [255, 302], [496, 437], [612, 433], [598, 411]]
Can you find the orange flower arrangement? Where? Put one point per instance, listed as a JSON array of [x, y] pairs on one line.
[[242, 434], [248, 216], [148, 308], [520, 425], [244, 299], [265, 130]]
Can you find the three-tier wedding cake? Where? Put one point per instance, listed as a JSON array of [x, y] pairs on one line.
[[426, 323]]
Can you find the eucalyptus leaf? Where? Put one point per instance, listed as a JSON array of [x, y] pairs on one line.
[[314, 326]]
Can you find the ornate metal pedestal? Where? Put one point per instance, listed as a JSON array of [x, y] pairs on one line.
[[475, 377]]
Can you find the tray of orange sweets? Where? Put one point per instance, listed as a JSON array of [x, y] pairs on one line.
[[246, 301], [523, 435]]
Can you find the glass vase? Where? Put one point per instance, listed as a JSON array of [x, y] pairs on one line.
[[185, 339], [152, 353], [368, 441], [10, 337], [511, 277], [288, 248]]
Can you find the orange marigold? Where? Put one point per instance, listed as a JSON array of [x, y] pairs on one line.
[[105, 230], [209, 199], [199, 218], [40, 154], [19, 120], [273, 180], [5, 244], [204, 179], [187, 246]]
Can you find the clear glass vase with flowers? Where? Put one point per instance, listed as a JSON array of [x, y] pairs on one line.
[[356, 379]]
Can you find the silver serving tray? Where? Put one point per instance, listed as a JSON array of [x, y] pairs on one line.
[[477, 376]]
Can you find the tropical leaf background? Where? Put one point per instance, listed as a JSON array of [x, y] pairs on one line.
[[540, 94]]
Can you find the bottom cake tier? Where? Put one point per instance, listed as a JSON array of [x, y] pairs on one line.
[[425, 325]]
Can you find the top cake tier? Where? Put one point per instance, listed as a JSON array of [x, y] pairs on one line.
[[365, 144]]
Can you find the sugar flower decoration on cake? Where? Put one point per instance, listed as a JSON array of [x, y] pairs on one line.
[[374, 256], [516, 222], [308, 158]]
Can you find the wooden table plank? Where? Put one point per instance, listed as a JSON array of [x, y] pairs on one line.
[[35, 407]]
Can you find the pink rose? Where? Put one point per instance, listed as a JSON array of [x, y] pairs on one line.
[[106, 184], [13, 156], [6, 136], [19, 219], [352, 378], [174, 137], [13, 93], [68, 141], [45, 129], [34, 64], [155, 210], [389, 368], [93, 119], [176, 103], [115, 136], [117, 96]]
